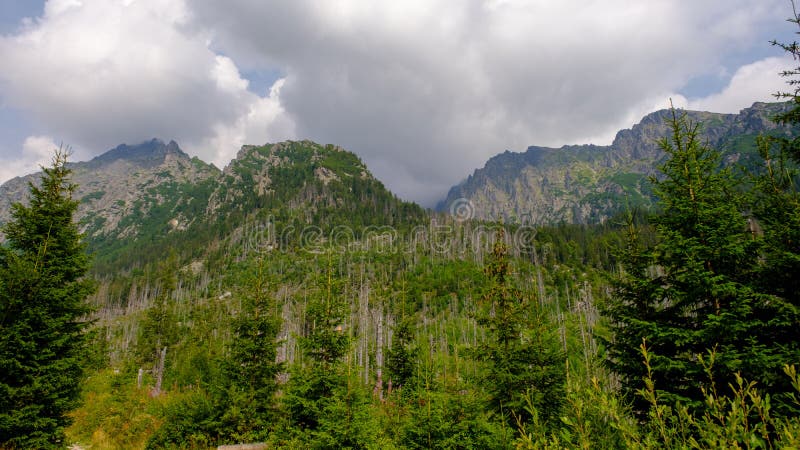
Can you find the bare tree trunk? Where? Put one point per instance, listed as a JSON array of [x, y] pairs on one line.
[[363, 312], [539, 278], [159, 369], [379, 356]]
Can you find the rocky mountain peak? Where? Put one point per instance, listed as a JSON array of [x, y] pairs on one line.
[[589, 183], [147, 154], [136, 195], [125, 187]]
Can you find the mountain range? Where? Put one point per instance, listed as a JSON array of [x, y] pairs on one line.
[[185, 255], [137, 196], [590, 183], [125, 184]]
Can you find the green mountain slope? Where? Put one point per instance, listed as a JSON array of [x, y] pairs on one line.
[[590, 183], [308, 183], [129, 192], [137, 201]]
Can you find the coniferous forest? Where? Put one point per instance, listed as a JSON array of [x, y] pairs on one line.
[[352, 319]]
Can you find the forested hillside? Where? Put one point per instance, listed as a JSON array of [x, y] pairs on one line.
[[291, 324]]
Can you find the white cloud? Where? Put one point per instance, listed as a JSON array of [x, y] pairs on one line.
[[98, 73], [265, 121], [58, 7], [755, 82], [426, 91], [37, 151], [39, 148], [751, 82]]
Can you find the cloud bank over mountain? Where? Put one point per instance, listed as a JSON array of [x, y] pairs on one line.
[[424, 91]]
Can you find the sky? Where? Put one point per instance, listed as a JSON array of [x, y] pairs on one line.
[[424, 91]]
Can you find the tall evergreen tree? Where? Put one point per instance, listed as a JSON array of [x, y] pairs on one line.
[[43, 291], [321, 399], [525, 362], [401, 361], [789, 147], [252, 365], [776, 211], [689, 293]]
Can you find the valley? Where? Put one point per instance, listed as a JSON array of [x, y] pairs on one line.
[[290, 299]]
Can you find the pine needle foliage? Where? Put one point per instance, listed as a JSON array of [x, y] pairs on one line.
[[43, 291], [691, 291], [523, 358]]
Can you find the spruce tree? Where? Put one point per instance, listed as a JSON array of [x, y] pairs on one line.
[[789, 147], [401, 361], [251, 367], [776, 223], [43, 291], [525, 362], [320, 396], [690, 293]]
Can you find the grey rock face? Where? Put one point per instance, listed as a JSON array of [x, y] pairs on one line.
[[589, 183], [124, 184]]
